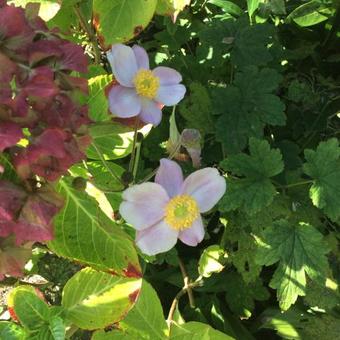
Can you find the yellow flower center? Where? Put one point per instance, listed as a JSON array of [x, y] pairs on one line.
[[181, 212], [146, 83]]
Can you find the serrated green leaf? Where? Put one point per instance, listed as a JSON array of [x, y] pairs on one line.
[[197, 330], [197, 108], [301, 324], [247, 107], [240, 296], [300, 250], [323, 165], [97, 99], [85, 234], [322, 296], [118, 21], [94, 299], [254, 191]]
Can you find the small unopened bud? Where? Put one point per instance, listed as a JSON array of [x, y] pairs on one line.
[[140, 137], [79, 183], [127, 178]]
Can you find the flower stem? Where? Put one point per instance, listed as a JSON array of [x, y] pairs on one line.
[[186, 280], [134, 143], [182, 292], [296, 184], [90, 33]]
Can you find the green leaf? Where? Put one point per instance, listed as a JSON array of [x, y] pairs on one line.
[[85, 234], [254, 191], [118, 21], [112, 335], [196, 109], [252, 7], [97, 99], [227, 6], [322, 296], [57, 328], [197, 330], [95, 299], [48, 8], [211, 261], [300, 250], [301, 324], [310, 13], [111, 140], [246, 44], [241, 296], [31, 310], [11, 331], [171, 7], [106, 176], [323, 165], [146, 319], [247, 107]]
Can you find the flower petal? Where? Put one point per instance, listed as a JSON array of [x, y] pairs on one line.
[[167, 75], [124, 102], [123, 63], [170, 94], [157, 239], [143, 205], [170, 177], [141, 57], [194, 235], [207, 186], [151, 112]]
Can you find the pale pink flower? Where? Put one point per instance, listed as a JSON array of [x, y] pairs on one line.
[[171, 208], [141, 92]]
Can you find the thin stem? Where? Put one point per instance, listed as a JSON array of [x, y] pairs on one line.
[[137, 157], [186, 281], [296, 184], [171, 156], [117, 178], [133, 153], [90, 33], [182, 292]]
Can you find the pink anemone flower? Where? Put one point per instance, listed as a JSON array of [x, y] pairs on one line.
[[141, 92], [171, 208]]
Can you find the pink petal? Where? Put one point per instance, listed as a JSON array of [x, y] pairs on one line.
[[123, 63], [151, 112], [141, 57], [193, 235], [207, 186], [124, 102], [170, 177], [143, 205], [170, 94], [157, 239], [167, 75]]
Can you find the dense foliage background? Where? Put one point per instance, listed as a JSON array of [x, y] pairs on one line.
[[263, 104]]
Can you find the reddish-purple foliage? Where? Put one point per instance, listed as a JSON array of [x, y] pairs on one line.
[[36, 103]]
